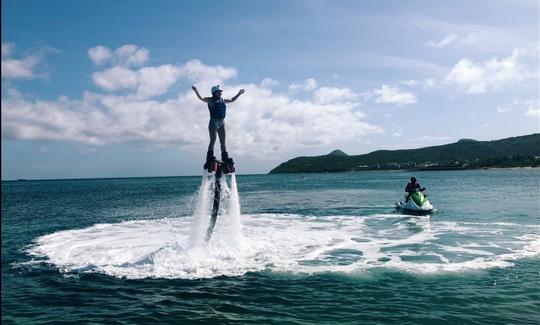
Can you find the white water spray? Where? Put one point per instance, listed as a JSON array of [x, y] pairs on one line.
[[200, 215], [227, 229]]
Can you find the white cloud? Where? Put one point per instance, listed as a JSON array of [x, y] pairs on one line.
[[156, 80], [409, 83], [99, 54], [429, 83], [293, 123], [19, 69], [25, 67], [196, 71], [470, 39], [329, 95], [269, 83], [476, 37], [146, 82], [308, 85], [7, 49], [484, 125], [530, 107], [126, 55], [393, 95], [494, 74], [533, 111], [515, 104], [443, 42], [131, 55], [430, 138], [504, 109], [259, 123], [405, 63], [115, 78]]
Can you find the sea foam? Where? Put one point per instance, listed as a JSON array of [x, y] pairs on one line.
[[285, 243]]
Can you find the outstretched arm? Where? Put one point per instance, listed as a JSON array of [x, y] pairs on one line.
[[199, 95], [235, 97]]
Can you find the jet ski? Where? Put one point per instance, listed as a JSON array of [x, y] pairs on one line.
[[418, 204]]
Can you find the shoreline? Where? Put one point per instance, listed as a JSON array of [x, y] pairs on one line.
[[410, 169], [23, 180]]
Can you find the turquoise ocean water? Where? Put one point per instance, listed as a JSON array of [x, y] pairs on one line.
[[305, 249]]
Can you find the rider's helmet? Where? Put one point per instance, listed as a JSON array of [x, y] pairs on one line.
[[216, 89]]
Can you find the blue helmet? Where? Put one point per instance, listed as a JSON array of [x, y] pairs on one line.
[[216, 88]]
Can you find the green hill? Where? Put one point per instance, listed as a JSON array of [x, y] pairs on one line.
[[521, 151]]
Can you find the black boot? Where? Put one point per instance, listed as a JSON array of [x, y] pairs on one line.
[[228, 163], [225, 157], [209, 158]]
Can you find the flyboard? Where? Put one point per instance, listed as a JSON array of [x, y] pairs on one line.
[[220, 168]]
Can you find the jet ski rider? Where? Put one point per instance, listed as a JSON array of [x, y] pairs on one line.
[[412, 187]]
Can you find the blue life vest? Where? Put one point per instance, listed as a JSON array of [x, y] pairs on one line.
[[217, 108]]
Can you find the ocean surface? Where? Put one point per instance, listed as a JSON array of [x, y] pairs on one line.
[[286, 249]]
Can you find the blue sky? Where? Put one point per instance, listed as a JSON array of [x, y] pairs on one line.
[[102, 88]]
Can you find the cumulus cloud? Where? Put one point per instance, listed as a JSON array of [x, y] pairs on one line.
[[146, 82], [151, 81], [19, 69], [131, 55], [308, 85], [125, 70], [115, 78], [196, 71], [494, 74], [293, 123], [99, 54], [260, 123], [269, 83], [329, 95], [126, 55], [24, 67], [156, 80], [393, 95]]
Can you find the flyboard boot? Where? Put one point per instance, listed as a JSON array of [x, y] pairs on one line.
[[211, 162], [228, 163]]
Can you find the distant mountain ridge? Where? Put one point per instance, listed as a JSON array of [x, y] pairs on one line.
[[520, 151]]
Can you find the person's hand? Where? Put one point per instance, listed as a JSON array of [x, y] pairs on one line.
[[241, 91], [194, 88]]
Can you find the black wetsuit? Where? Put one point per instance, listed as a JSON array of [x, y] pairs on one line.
[[411, 188]]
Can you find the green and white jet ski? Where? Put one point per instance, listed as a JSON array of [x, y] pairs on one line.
[[418, 204]]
